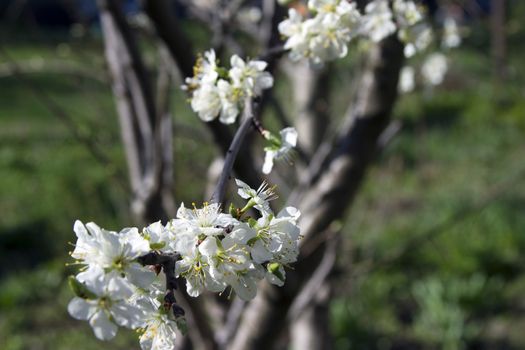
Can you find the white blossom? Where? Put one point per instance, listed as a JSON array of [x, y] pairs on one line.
[[157, 236], [213, 251], [416, 38], [159, 332], [113, 251], [434, 69], [277, 237], [259, 198], [230, 262], [109, 307], [206, 102], [377, 22], [250, 76], [407, 13], [229, 97], [451, 37], [207, 221], [280, 149], [406, 80], [328, 39], [218, 92], [205, 71], [297, 36], [196, 270], [326, 35]]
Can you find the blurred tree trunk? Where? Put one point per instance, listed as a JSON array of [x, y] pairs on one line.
[[311, 91]]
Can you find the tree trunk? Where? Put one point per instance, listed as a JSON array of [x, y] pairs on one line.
[[327, 196]]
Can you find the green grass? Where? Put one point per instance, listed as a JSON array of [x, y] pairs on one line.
[[452, 289]]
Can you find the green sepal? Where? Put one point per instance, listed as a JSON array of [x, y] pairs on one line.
[[80, 289], [233, 211], [157, 246], [223, 72], [252, 241], [182, 325], [252, 222], [275, 142], [273, 268], [219, 244]]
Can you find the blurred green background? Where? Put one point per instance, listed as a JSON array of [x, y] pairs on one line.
[[434, 255]]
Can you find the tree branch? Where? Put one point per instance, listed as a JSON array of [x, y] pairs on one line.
[[328, 198], [233, 150]]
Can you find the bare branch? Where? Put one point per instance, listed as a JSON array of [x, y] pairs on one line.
[[233, 150], [144, 131]]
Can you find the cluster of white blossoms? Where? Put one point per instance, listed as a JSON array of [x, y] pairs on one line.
[[432, 73], [218, 92], [325, 35], [413, 31], [434, 67], [211, 250]]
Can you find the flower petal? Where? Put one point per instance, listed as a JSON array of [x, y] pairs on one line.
[[81, 309], [103, 328]]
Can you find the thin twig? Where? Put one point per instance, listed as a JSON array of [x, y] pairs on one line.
[[231, 155]]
